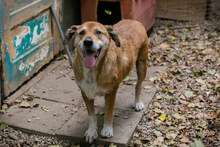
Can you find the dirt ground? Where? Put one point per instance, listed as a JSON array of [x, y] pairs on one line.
[[185, 111]]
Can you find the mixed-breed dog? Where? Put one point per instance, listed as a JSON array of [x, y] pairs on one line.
[[103, 56]]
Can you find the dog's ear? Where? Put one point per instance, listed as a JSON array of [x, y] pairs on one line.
[[69, 33], [113, 35]]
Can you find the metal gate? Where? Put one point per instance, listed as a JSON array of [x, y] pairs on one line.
[[29, 39]]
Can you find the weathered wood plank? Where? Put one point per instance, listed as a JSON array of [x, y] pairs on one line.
[[192, 10]]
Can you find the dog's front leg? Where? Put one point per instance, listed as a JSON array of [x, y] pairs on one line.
[[107, 130], [91, 134]]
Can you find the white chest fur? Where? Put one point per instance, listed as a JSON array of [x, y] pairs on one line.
[[89, 85]]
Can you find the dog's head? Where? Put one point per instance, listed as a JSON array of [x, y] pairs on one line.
[[92, 40]]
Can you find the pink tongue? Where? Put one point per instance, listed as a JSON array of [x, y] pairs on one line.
[[89, 60]]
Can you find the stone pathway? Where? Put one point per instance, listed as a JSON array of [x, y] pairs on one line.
[[51, 104]]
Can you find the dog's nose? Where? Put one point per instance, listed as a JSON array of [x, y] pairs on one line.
[[88, 42]]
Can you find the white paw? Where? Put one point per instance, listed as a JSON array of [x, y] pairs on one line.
[[91, 135], [107, 131], [138, 106]]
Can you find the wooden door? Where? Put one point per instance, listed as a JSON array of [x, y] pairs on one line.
[[29, 39]]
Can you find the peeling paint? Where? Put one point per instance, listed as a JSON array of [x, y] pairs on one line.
[[29, 35], [21, 35], [44, 27], [28, 66]]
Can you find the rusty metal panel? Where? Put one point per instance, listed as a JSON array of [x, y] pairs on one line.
[[29, 39]]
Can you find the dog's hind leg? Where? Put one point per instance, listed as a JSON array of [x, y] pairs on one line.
[[141, 66], [91, 134]]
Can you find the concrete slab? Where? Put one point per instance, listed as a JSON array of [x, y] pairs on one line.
[[24, 88], [56, 89], [126, 95], [125, 123], [38, 120]]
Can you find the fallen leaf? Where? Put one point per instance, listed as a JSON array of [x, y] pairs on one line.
[[173, 38], [126, 79], [197, 144], [171, 135], [55, 146], [147, 87], [32, 90], [170, 142], [50, 89], [176, 116], [158, 141], [3, 126], [202, 82], [159, 97], [191, 105], [168, 97], [183, 102], [184, 139], [75, 109], [202, 124], [164, 46], [189, 94], [158, 110], [201, 133], [197, 74], [25, 104], [212, 72], [153, 79], [157, 133], [162, 117], [64, 106], [176, 58], [157, 122], [2, 111], [156, 104], [45, 108], [183, 145]]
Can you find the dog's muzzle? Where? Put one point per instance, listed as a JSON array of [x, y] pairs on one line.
[[91, 52]]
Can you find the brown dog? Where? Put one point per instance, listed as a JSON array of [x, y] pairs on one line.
[[104, 56]]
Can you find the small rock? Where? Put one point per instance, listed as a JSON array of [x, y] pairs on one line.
[[13, 136], [17, 101], [29, 120], [21, 142], [125, 117], [4, 106]]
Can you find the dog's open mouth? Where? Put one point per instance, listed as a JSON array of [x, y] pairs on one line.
[[90, 57]]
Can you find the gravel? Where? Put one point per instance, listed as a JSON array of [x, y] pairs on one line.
[[10, 137]]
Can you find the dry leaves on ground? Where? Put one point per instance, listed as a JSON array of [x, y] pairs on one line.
[[185, 111]]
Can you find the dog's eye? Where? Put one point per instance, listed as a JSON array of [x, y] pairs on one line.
[[82, 32], [98, 32]]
